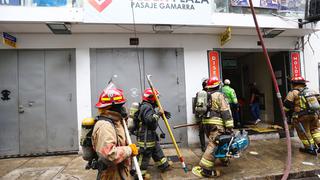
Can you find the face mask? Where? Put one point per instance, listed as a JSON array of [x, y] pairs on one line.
[[123, 112]]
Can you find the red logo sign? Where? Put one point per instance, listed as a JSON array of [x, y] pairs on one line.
[[214, 64], [295, 64], [100, 5]]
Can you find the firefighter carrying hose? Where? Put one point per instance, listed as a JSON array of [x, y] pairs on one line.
[[218, 121], [108, 136], [302, 104], [145, 126]]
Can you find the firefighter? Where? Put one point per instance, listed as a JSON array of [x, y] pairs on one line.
[[302, 104], [147, 136], [218, 121], [233, 102], [108, 137], [199, 101], [201, 128]]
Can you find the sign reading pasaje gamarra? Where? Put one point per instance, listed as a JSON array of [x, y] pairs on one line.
[[178, 12], [168, 4]]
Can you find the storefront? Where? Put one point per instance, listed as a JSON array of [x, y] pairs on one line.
[[175, 55]]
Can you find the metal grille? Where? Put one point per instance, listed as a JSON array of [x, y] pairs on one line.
[[312, 10]]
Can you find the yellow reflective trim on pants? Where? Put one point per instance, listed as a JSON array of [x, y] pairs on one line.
[[207, 163], [148, 144], [306, 142], [162, 161], [316, 135], [215, 121], [229, 123]]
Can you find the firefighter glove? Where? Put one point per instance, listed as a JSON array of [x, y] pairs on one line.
[[162, 135], [134, 149], [167, 114]]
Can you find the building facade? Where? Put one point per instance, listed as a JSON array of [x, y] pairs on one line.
[[50, 82]]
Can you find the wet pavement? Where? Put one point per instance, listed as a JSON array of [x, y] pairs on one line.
[[264, 159]]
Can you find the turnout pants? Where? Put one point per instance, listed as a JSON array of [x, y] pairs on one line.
[[207, 159], [157, 155], [311, 124], [235, 114], [202, 137]]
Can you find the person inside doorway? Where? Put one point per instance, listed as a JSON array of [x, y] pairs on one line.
[[231, 96], [255, 102]]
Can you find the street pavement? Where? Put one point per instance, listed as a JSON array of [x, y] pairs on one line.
[[264, 159]]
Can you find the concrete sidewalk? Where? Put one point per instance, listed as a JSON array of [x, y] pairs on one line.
[[264, 159]]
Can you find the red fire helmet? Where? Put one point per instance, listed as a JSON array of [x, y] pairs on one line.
[[110, 96], [148, 95], [213, 82], [298, 80]]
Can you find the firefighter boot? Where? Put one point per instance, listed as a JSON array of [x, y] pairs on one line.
[[210, 174], [203, 173], [308, 150], [168, 167]]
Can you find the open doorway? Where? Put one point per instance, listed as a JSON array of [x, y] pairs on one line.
[[246, 68]]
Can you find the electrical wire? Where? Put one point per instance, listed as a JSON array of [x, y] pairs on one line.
[[137, 50], [132, 30], [151, 32], [285, 18], [278, 95]]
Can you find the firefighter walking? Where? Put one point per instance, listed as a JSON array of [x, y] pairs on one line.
[[302, 104], [148, 140], [218, 121], [108, 136], [199, 116]]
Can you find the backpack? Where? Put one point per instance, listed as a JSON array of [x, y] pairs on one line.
[[201, 103], [309, 100], [88, 153]]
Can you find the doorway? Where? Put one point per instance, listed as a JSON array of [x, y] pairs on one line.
[[38, 104], [246, 68]]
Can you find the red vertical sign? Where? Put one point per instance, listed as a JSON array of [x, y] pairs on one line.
[[214, 63], [295, 64]]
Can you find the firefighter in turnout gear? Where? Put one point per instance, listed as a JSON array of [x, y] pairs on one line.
[[147, 136], [108, 136], [199, 109], [201, 129], [217, 122], [302, 104]]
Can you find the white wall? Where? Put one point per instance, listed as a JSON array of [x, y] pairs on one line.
[[195, 57], [312, 58], [83, 84]]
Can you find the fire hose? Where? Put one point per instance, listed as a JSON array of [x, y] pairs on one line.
[[278, 94], [135, 161]]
